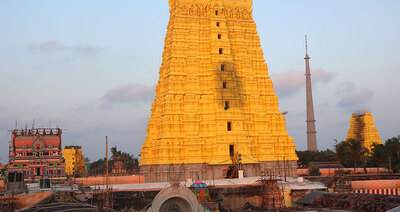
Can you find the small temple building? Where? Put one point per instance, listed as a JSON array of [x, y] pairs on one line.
[[118, 168], [362, 128], [37, 154], [215, 107], [74, 161]]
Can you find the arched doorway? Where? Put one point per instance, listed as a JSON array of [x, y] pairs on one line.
[[175, 199], [175, 204]]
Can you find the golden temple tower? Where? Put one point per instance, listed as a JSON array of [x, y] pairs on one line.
[[214, 105], [74, 161], [362, 128]]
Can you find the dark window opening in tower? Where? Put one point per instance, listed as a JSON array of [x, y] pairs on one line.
[[37, 171], [220, 51], [217, 24], [216, 12], [229, 126], [219, 36], [222, 67], [226, 105], [231, 150], [224, 85]]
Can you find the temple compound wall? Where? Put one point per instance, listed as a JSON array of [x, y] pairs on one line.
[[215, 106]]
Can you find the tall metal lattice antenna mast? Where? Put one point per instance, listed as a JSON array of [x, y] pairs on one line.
[[311, 133]]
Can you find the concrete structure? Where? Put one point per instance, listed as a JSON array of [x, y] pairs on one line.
[[214, 100], [311, 133], [384, 187], [332, 171], [177, 198], [229, 194], [362, 128], [112, 180], [74, 160], [37, 154]]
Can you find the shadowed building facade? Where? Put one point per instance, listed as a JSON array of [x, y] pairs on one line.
[[214, 105], [362, 128]]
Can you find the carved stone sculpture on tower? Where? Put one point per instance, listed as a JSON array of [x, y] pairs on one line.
[[215, 105]]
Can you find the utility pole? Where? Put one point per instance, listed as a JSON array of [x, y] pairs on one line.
[[107, 200], [311, 133]]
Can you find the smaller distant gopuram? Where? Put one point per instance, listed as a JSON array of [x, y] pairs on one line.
[[362, 128], [74, 161], [37, 154]]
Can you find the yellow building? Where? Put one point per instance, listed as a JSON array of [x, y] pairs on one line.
[[74, 160], [362, 128], [214, 99]]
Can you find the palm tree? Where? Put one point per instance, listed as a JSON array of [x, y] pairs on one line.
[[115, 153], [392, 151], [341, 149], [378, 154], [356, 150]]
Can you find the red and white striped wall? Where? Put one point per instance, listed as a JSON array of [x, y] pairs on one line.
[[384, 191]]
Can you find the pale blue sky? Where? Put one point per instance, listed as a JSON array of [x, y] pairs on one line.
[[90, 66]]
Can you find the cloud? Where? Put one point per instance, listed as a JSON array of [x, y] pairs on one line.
[[55, 46], [345, 87], [129, 93], [291, 81], [356, 98]]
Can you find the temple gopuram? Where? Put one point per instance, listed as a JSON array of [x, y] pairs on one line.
[[37, 153], [362, 128], [74, 161], [215, 107]]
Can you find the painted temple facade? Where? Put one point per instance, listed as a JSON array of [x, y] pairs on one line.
[[37, 153], [215, 105], [362, 128]]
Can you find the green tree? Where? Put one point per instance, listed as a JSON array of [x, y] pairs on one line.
[[314, 171], [357, 151], [392, 153], [342, 152], [98, 167], [305, 157], [131, 163], [378, 154]]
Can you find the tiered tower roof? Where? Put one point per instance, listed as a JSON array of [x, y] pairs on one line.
[[214, 97]]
